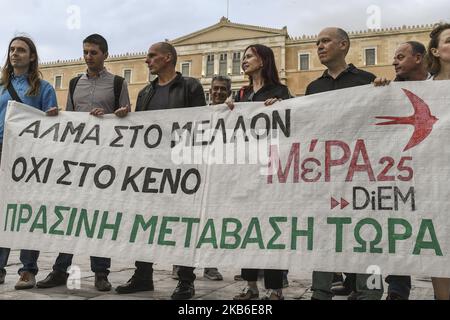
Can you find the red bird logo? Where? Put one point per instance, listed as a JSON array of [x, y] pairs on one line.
[[422, 120]]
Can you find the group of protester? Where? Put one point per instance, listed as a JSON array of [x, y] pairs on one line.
[[99, 92]]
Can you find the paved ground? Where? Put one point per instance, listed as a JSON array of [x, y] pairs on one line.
[[205, 289]]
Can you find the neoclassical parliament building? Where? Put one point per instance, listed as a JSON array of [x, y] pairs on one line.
[[218, 50]]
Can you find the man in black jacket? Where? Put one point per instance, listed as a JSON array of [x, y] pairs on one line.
[[333, 45], [169, 91]]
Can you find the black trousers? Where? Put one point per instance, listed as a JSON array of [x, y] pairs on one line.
[[144, 271], [273, 279]]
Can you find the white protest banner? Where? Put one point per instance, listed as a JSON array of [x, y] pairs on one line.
[[339, 181]]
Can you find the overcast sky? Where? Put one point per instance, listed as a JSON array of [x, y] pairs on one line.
[[59, 26]]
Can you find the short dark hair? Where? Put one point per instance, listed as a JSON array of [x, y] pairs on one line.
[[225, 79], [98, 40], [417, 47], [170, 49], [434, 64]]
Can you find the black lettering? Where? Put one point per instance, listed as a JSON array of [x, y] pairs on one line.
[[147, 133], [184, 187], [119, 137], [112, 177], [33, 129], [66, 165], [19, 177]]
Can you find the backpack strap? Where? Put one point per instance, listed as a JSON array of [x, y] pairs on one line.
[[72, 85], [13, 93], [118, 84]]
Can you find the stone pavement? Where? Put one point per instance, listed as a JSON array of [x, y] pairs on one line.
[[164, 285]]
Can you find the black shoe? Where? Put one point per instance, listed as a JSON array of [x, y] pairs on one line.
[[341, 291], [54, 279], [175, 272], [2, 276], [101, 282], [135, 285], [395, 296], [184, 291], [338, 280]]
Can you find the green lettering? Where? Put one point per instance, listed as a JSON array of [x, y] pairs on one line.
[[231, 234], [41, 215], [83, 221], [166, 231], [273, 222], [24, 219], [427, 225], [73, 215], [339, 222], [209, 229], [302, 233], [394, 237], [139, 221], [190, 223], [105, 226], [362, 242], [8, 209], [253, 226], [60, 217]]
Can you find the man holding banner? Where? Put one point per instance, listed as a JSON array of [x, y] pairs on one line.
[[409, 62], [169, 91], [21, 81], [333, 45], [98, 92]]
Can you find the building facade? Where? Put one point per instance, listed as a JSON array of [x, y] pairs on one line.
[[218, 50]]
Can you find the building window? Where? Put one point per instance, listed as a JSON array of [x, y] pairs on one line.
[[210, 65], [370, 56], [237, 63], [223, 65], [58, 82], [303, 61], [186, 69], [127, 75]]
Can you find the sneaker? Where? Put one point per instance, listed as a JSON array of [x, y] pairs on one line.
[[212, 274], [247, 294], [2, 276], [175, 272], [184, 291], [26, 281], [101, 282], [273, 295], [136, 285], [54, 279]]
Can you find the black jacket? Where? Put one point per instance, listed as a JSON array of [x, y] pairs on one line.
[[269, 91], [184, 92]]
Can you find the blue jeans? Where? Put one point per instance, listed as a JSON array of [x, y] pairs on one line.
[[28, 258], [64, 261]]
